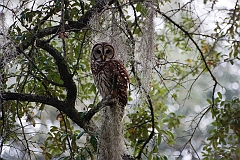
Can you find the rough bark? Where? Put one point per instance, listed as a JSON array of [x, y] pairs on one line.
[[111, 138]]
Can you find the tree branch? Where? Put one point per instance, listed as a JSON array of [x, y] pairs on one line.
[[71, 112], [64, 72], [105, 102], [34, 98]]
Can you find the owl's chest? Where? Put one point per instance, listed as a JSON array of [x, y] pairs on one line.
[[99, 68], [103, 70]]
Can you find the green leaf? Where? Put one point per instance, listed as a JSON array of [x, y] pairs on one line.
[[93, 88], [62, 136], [209, 101], [82, 114], [159, 138], [93, 141], [138, 7], [42, 107], [80, 134], [88, 151], [219, 95]]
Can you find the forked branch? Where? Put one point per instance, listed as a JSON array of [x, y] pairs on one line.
[[81, 119]]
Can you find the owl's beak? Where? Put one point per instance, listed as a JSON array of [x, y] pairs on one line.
[[103, 58]]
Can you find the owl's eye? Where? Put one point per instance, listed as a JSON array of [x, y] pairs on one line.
[[98, 51], [108, 51]]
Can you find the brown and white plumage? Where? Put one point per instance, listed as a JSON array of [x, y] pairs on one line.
[[110, 76]]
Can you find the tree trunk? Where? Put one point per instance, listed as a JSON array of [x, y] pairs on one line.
[[111, 139]]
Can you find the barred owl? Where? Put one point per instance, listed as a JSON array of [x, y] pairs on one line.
[[110, 76]]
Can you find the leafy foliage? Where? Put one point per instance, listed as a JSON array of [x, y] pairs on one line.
[[224, 137], [48, 99]]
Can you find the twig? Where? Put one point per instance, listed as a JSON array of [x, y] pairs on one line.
[[190, 37], [153, 127], [19, 118], [62, 29], [194, 130], [66, 131], [80, 52]]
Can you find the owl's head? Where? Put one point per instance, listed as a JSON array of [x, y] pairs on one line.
[[103, 51]]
